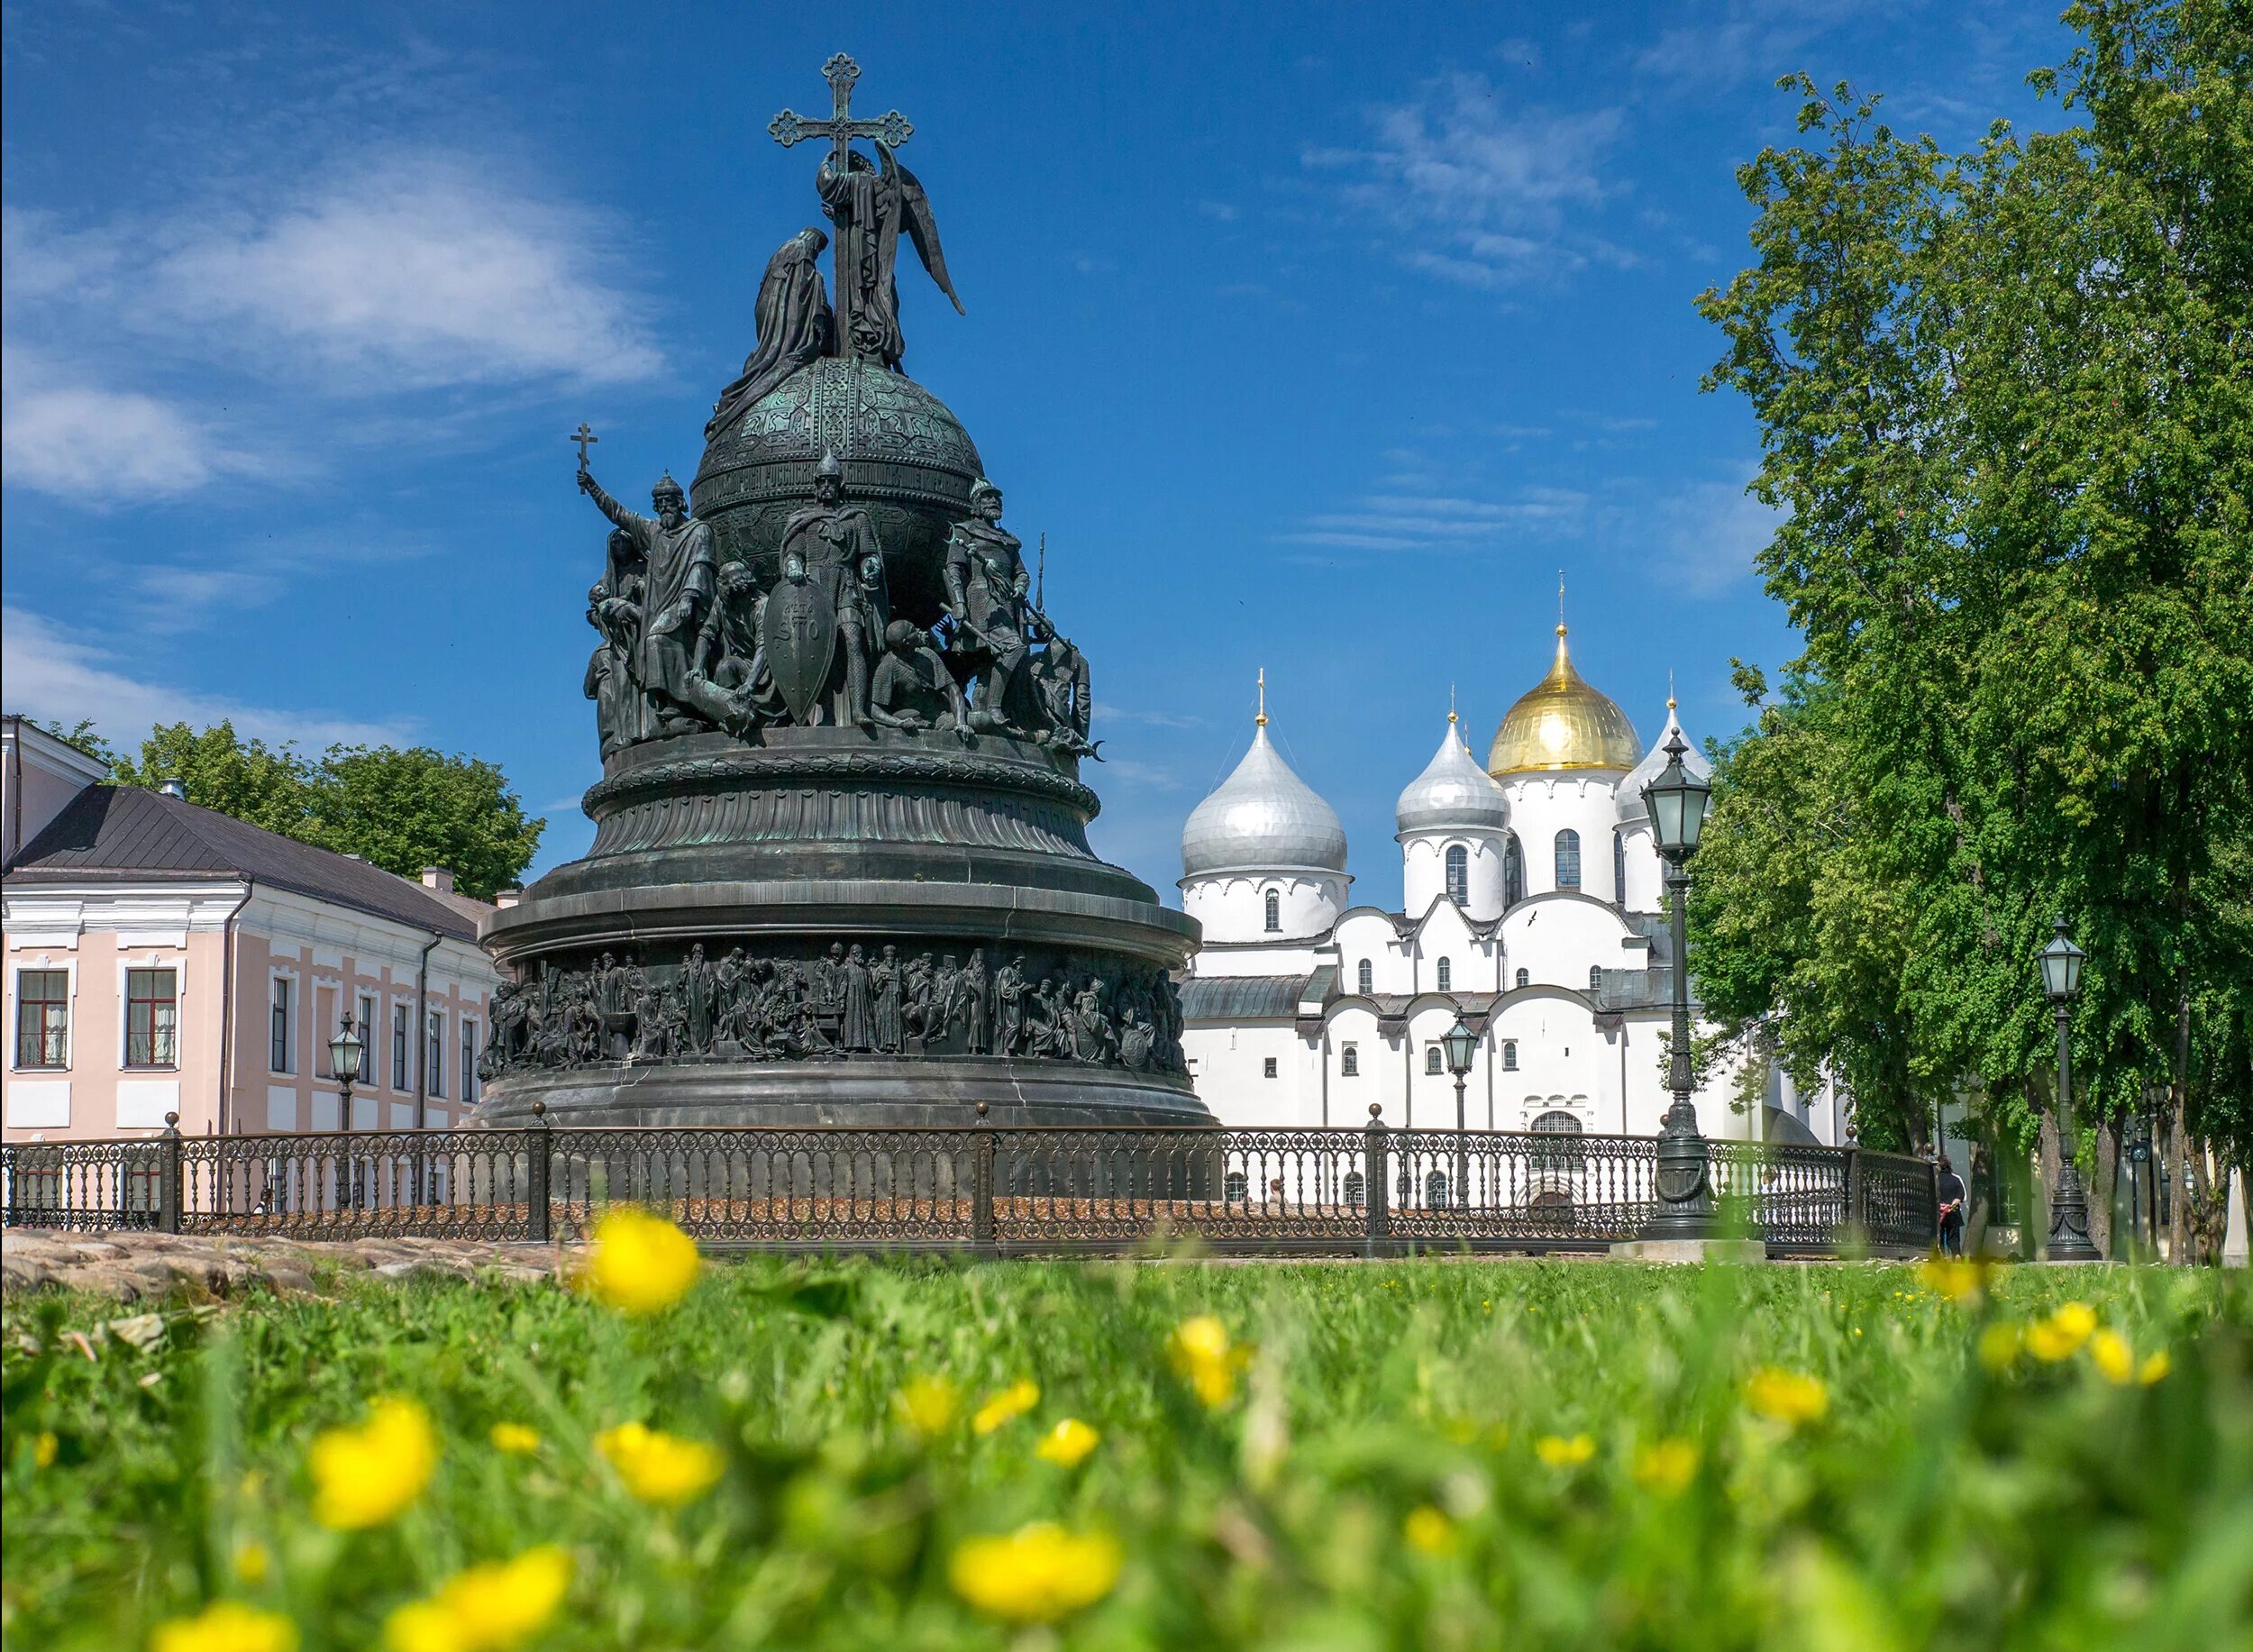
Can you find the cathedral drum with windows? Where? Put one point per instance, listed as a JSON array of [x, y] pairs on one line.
[[1533, 907]]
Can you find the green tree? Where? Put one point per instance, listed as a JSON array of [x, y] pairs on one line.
[[268, 786], [409, 809], [82, 735], [2006, 397], [402, 809]]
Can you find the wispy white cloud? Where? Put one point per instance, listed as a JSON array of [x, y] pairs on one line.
[[420, 271], [1711, 532], [417, 271], [1147, 776], [1738, 40], [186, 592], [52, 672], [62, 433], [1419, 522], [1478, 189]]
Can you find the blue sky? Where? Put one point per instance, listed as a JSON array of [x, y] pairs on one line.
[[1314, 338]]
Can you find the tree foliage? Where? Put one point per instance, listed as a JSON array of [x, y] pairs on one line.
[[2006, 399], [402, 810]]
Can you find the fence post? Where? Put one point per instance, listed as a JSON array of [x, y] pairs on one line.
[[169, 1176], [538, 1146], [982, 1237], [1376, 1184], [1857, 1218]]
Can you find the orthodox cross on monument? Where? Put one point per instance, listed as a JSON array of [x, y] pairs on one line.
[[1261, 721], [584, 435], [891, 130]]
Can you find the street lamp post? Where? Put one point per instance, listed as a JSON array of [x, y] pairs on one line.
[[2060, 961], [1677, 801], [1463, 1046], [345, 1053]]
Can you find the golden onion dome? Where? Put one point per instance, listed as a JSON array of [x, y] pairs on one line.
[[1562, 722]]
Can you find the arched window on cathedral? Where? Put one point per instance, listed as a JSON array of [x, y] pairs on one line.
[[1365, 977], [1446, 975], [1431, 1059], [1459, 874], [1568, 859], [1513, 871], [1349, 1063], [1595, 977], [1356, 1188], [1274, 913], [1552, 1165], [1524, 979], [1619, 869], [1509, 1055]]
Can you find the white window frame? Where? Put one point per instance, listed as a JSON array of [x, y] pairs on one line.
[[366, 1008], [70, 971], [126, 969], [434, 1054], [274, 980]]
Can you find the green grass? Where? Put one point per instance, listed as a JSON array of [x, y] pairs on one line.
[[1935, 1504]]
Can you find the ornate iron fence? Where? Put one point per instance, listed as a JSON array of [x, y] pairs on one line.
[[990, 1190]]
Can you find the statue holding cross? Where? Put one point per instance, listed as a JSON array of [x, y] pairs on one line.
[[869, 203]]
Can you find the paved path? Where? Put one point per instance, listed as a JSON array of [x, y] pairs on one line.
[[136, 1266]]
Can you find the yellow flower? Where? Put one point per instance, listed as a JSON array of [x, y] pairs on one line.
[[1036, 1575], [514, 1439], [2060, 1336], [660, 1468], [641, 1264], [1787, 1396], [488, 1608], [1666, 1467], [1013, 1401], [2110, 1353], [1428, 1530], [1202, 1354], [927, 1404], [252, 1562], [2155, 1368], [226, 1625], [1959, 1280], [1558, 1452], [365, 1476], [1999, 1345], [1067, 1443], [44, 1446]]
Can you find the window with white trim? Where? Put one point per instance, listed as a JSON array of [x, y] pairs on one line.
[[281, 1056], [436, 1078], [1568, 859], [468, 1060], [1365, 977], [42, 1018], [1432, 1060], [1349, 1063], [402, 1060], [1459, 874], [371, 1067], [1274, 913], [1446, 975], [152, 1017]]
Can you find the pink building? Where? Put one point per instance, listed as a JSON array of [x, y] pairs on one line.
[[164, 958]]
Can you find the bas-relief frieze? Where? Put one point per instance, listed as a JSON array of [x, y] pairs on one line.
[[726, 1002]]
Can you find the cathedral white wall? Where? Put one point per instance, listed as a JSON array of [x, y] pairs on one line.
[[1647, 873], [1424, 870], [1556, 938], [1291, 958], [1233, 906], [1228, 1066], [1543, 804]]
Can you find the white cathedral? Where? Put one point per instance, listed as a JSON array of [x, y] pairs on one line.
[[1534, 908]]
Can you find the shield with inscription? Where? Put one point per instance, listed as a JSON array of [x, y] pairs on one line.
[[800, 634]]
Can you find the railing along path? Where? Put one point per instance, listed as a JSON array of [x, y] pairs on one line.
[[991, 1190]]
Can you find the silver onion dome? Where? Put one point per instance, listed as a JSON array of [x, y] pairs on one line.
[[1654, 765], [1262, 818], [1454, 793]]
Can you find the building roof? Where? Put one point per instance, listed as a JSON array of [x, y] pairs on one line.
[[1563, 723], [1241, 998], [1453, 793], [118, 834], [1262, 818]]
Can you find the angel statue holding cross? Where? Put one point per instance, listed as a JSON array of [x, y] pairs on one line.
[[869, 202]]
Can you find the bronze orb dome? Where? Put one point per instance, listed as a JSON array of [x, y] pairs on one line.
[[908, 462]]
